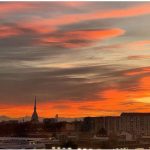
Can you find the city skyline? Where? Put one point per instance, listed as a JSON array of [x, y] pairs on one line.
[[79, 58]]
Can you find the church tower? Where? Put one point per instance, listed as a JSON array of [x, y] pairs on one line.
[[35, 118]]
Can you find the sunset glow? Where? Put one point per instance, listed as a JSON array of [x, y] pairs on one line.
[[79, 58]]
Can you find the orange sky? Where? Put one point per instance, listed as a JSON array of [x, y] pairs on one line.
[[116, 101]]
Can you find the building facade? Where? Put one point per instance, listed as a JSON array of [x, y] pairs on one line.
[[137, 124]]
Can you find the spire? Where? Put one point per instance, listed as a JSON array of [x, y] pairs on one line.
[[34, 117], [35, 104]]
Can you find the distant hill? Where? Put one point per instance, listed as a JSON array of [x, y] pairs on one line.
[[28, 118], [4, 118]]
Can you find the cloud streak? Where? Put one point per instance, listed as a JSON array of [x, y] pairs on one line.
[[82, 38], [76, 18]]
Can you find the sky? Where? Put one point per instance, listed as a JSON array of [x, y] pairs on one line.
[[79, 58]]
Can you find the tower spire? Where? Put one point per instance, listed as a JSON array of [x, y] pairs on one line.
[[35, 104], [34, 117]]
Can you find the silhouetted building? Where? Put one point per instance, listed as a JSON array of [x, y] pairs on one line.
[[56, 117], [35, 118], [49, 120], [88, 124], [110, 123], [136, 124]]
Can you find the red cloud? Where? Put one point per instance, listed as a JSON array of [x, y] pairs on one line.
[[86, 37], [6, 31], [141, 43], [138, 45], [9, 7], [95, 34], [137, 57], [73, 4], [127, 12], [138, 71], [50, 24]]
